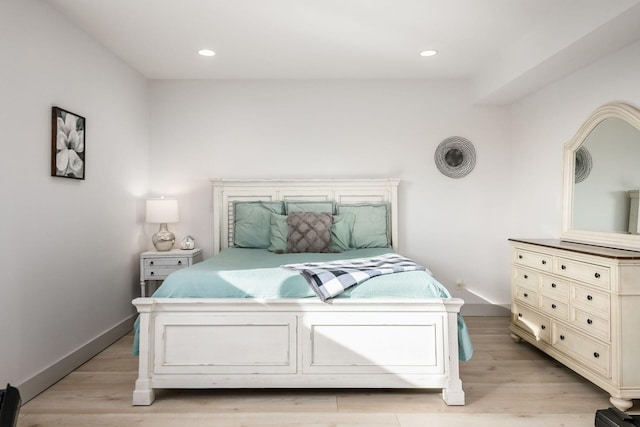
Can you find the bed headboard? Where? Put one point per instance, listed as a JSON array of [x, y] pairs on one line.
[[226, 191]]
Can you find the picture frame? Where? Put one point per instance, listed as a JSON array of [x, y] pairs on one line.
[[68, 138]]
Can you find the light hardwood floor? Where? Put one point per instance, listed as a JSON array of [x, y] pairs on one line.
[[505, 383]]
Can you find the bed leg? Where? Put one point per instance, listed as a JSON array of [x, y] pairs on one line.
[[143, 395], [453, 395]]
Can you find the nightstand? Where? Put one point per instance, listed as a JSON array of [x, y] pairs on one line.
[[156, 265]]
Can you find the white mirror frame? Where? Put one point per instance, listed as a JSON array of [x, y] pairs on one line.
[[614, 240]]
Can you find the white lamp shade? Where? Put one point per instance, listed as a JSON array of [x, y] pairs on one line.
[[162, 210]]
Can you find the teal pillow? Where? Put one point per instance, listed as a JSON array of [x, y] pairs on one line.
[[316, 207], [341, 230], [279, 231], [370, 229], [252, 223]]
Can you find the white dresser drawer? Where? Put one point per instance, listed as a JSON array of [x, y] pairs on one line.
[[594, 355], [526, 295], [526, 277], [554, 308], [556, 288], [593, 325], [597, 275], [534, 259], [537, 325], [591, 300]]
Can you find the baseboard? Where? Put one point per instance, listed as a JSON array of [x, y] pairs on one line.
[[485, 310], [54, 373]]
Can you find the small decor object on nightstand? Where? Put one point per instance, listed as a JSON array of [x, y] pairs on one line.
[[188, 243], [162, 211]]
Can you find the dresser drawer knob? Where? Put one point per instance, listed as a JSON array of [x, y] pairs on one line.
[[589, 321], [152, 273], [596, 355], [553, 306], [597, 275], [553, 285], [526, 295], [151, 263], [544, 262], [519, 256], [179, 262], [519, 314], [562, 337], [543, 327], [564, 267], [589, 297], [526, 277]]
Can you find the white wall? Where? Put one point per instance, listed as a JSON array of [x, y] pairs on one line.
[[296, 129], [544, 121], [69, 248]]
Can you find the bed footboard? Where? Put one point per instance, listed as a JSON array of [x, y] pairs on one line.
[[230, 343]]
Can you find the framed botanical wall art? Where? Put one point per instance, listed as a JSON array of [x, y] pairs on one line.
[[67, 144]]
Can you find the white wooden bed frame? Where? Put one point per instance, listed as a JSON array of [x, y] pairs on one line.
[[298, 343]]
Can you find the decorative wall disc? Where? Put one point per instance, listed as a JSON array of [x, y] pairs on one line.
[[455, 157], [583, 164]]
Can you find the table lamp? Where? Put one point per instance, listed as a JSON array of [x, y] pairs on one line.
[[162, 211]]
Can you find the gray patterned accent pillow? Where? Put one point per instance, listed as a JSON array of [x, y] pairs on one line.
[[308, 232]]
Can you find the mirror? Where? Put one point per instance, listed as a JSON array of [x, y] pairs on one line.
[[602, 179]]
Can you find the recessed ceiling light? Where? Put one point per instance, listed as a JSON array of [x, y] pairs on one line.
[[428, 52], [206, 52]]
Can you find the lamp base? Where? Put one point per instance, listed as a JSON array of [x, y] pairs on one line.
[[163, 240]]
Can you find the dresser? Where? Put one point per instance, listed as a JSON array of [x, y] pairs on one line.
[[157, 266], [580, 304]]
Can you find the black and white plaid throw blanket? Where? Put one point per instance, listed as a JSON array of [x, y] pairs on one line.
[[331, 278]]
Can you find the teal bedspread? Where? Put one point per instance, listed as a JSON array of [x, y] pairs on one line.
[[256, 273]]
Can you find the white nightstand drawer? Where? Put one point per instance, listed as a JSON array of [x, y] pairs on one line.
[[159, 273], [167, 262]]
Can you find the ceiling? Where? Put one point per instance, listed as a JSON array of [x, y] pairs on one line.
[[507, 48]]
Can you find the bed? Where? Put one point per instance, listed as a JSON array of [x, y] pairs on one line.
[[219, 324]]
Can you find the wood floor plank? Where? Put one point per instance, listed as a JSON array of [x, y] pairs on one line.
[[506, 381], [493, 420], [211, 419], [116, 398]]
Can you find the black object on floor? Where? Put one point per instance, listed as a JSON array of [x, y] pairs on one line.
[[9, 406], [613, 417]]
